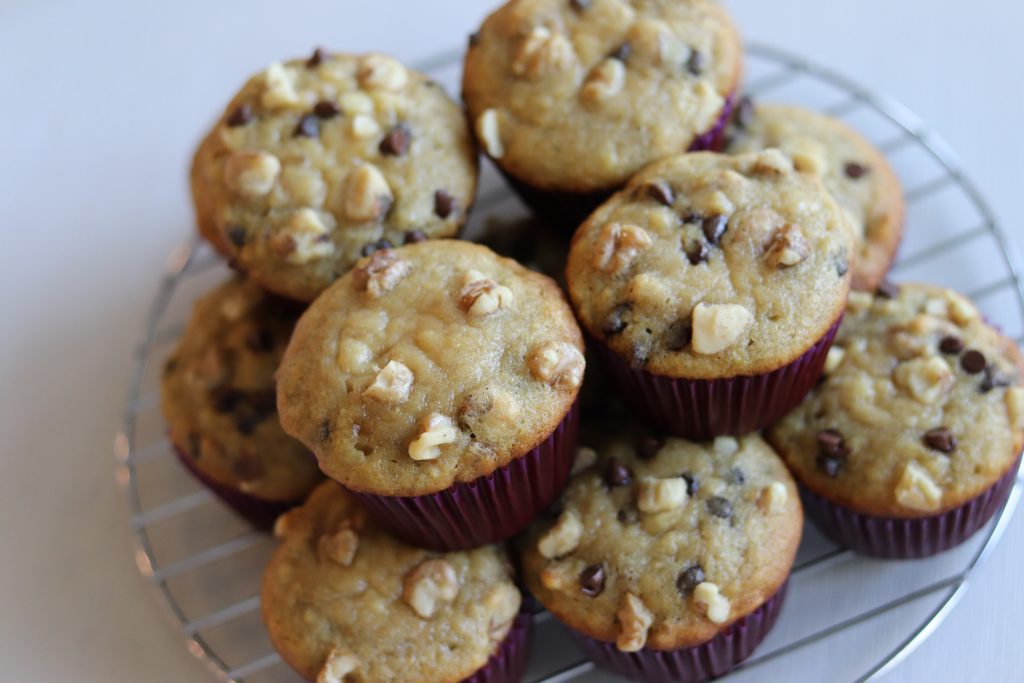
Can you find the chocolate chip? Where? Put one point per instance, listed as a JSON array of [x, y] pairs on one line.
[[940, 439], [325, 431], [371, 247], [714, 227], [888, 290], [444, 203], [738, 477], [414, 237], [617, 474], [696, 63], [592, 580], [308, 127], [579, 5], [226, 400], [678, 335], [246, 424], [615, 322], [951, 344], [259, 340], [236, 234], [474, 39], [855, 170], [690, 578], [692, 483], [993, 379], [745, 111], [660, 192], [396, 142], [317, 58], [648, 447], [240, 116], [973, 361], [691, 217], [829, 465], [698, 253], [623, 51], [326, 109], [720, 507], [832, 444]]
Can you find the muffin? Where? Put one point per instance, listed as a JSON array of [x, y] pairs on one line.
[[219, 403], [446, 617], [713, 286], [437, 381], [668, 559], [855, 173], [572, 97], [318, 162], [912, 440]]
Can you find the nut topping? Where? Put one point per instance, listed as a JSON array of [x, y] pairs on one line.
[[304, 239], [618, 245], [926, 379], [380, 72], [251, 173], [438, 430], [716, 327], [709, 598], [660, 495], [562, 538], [916, 489], [392, 383], [635, 620], [429, 584], [480, 296], [279, 90], [381, 271], [367, 194], [773, 497], [489, 133], [340, 547], [543, 52], [605, 80], [788, 247], [559, 364], [337, 667]]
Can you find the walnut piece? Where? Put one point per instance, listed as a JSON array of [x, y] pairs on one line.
[[481, 296], [364, 126], [380, 72], [339, 547], [725, 445], [282, 525], [251, 173], [635, 620], [489, 133], [279, 88], [660, 495], [304, 238], [773, 497], [788, 247], [960, 310], [355, 102], [367, 195], [392, 383], [916, 489], [928, 380], [770, 162], [438, 430], [562, 538], [353, 355], [808, 156], [559, 364], [381, 272], [833, 359], [557, 577], [337, 667], [428, 584], [716, 327], [858, 302], [708, 598], [585, 457], [543, 52], [503, 603], [605, 80], [618, 245]]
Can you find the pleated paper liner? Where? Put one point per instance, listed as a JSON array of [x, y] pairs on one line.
[[508, 663]]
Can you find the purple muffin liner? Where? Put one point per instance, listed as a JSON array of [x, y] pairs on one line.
[[508, 663], [259, 512], [568, 210], [901, 539], [488, 509], [712, 659], [703, 409]]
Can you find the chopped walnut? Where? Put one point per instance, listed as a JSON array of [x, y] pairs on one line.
[[304, 238], [1015, 407], [380, 72], [808, 156], [337, 667], [653, 41], [251, 173], [559, 364], [916, 489], [585, 457], [355, 102], [833, 359], [618, 245], [364, 127], [771, 162], [709, 598], [438, 430], [353, 355], [928, 380], [503, 603], [304, 185], [725, 445], [858, 302], [339, 547], [381, 272], [279, 88], [392, 383], [961, 311], [282, 525], [558, 577], [635, 620], [430, 583], [605, 80], [788, 247], [488, 131], [773, 497], [562, 538], [367, 194], [481, 296], [543, 52], [660, 495], [716, 327]]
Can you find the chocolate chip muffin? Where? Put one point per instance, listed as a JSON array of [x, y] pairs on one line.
[[318, 162], [912, 440], [344, 601], [853, 171], [713, 285], [219, 402], [436, 377], [664, 551], [570, 98]]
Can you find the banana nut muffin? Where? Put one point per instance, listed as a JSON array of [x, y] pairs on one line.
[[317, 162], [343, 601], [853, 171]]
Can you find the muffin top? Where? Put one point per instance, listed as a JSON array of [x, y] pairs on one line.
[[577, 95], [855, 173], [708, 266], [430, 364], [218, 394], [663, 543], [343, 601], [920, 409], [316, 162]]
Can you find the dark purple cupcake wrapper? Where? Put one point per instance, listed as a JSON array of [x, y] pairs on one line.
[[568, 210], [703, 409], [712, 659], [508, 663], [488, 509], [259, 512], [895, 538]]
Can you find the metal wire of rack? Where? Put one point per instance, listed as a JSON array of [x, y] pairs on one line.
[[205, 563]]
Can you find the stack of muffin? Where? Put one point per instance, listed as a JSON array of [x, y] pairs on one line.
[[437, 385]]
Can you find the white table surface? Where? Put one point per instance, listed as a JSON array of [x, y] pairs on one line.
[[100, 105]]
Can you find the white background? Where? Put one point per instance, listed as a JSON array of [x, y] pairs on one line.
[[100, 105]]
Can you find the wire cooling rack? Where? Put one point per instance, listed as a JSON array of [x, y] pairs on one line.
[[854, 617]]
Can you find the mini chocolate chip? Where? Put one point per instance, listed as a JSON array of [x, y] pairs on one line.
[[648, 447], [940, 439], [444, 203], [579, 5], [623, 51], [226, 400], [698, 253], [690, 578], [855, 170], [714, 227], [738, 477], [615, 322], [888, 290], [992, 379], [194, 445], [829, 465], [396, 142], [308, 126], [592, 580], [236, 234], [414, 237], [325, 431], [696, 63], [259, 340], [973, 361], [371, 247], [692, 483], [246, 424], [660, 192], [317, 58], [951, 344], [832, 444], [628, 515], [240, 116], [720, 507], [326, 109], [474, 39], [678, 335], [745, 111], [617, 474]]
